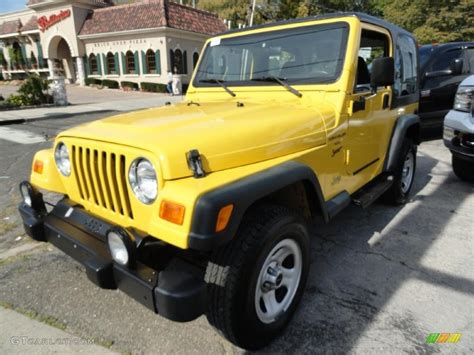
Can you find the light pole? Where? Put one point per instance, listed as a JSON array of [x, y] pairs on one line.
[[252, 13]]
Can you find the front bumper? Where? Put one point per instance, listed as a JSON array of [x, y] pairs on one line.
[[461, 144], [175, 294]]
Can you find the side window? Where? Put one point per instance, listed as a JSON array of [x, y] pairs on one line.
[[372, 45], [405, 67], [443, 61], [470, 58]]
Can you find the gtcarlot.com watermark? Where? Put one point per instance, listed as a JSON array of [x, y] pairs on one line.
[[26, 340]]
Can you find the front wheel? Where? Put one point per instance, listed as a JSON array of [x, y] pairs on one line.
[[256, 281], [463, 169]]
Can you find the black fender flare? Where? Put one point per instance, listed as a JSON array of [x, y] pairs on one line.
[[400, 130], [242, 194]]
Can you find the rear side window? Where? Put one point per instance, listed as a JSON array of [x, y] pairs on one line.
[[470, 58], [406, 73], [443, 61]]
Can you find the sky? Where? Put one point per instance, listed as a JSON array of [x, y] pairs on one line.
[[11, 5]]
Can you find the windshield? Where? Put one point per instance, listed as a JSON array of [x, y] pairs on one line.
[[311, 54]]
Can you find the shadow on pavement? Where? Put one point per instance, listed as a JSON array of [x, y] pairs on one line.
[[359, 261]]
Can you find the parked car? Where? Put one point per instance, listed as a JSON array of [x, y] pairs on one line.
[[459, 130], [442, 68], [204, 206]]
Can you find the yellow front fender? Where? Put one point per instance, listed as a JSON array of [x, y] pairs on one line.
[[47, 177]]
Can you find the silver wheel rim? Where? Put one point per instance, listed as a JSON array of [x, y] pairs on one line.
[[278, 281], [408, 172]]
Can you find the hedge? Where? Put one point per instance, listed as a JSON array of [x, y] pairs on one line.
[[129, 84], [153, 87], [111, 84], [92, 81]]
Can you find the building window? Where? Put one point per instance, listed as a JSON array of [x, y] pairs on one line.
[[93, 64], [33, 61], [111, 63], [16, 57], [195, 59], [130, 60], [178, 61], [151, 61]]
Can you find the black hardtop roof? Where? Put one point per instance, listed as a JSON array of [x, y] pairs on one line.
[[393, 29]]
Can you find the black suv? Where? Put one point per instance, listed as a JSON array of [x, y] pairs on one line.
[[442, 68]]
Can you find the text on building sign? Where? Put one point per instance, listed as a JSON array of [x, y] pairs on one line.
[[44, 22]]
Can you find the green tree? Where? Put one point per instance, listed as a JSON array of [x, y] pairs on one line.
[[434, 21], [236, 11]]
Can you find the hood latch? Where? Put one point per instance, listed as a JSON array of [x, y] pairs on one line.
[[195, 163]]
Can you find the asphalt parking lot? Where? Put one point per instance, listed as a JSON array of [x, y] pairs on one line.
[[381, 279]]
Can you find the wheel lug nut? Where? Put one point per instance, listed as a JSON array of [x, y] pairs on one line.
[[272, 271]]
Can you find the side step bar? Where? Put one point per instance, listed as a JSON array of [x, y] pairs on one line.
[[371, 192]]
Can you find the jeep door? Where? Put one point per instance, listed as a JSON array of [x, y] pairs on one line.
[[367, 127]]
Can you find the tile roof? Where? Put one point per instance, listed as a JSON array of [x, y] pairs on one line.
[[30, 25], [10, 27], [151, 14], [100, 2], [194, 20]]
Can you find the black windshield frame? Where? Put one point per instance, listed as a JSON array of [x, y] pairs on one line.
[[272, 34]]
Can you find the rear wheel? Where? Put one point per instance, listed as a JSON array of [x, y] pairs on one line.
[[404, 174], [256, 281], [463, 169]]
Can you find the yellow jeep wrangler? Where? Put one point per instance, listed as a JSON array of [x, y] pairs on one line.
[[203, 207]]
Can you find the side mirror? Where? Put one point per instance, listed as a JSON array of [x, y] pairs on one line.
[[383, 72], [456, 66]]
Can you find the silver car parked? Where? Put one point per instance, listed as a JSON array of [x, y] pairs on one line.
[[459, 130]]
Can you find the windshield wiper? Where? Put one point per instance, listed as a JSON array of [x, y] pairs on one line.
[[219, 82], [280, 81]]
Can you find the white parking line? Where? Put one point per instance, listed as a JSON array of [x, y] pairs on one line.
[[22, 137]]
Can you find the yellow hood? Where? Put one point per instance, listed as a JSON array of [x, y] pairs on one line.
[[226, 135]]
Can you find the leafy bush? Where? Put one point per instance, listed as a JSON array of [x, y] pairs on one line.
[[153, 87], [16, 59], [34, 91], [3, 61], [129, 84], [92, 81], [111, 84], [17, 100]]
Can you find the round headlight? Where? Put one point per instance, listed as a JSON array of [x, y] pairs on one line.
[[142, 177], [117, 248], [61, 156]]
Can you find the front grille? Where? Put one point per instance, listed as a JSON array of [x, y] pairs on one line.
[[100, 179]]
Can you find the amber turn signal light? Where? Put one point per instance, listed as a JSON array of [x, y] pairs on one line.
[[38, 167], [172, 212], [223, 217]]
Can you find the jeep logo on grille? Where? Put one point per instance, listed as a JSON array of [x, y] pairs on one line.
[[93, 225]]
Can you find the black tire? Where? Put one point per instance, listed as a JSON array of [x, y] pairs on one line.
[[399, 191], [234, 269], [463, 169]]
